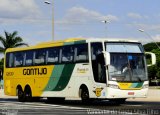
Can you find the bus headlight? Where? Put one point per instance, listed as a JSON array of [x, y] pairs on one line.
[[145, 86], [113, 86]]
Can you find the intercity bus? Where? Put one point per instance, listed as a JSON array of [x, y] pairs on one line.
[[77, 68]]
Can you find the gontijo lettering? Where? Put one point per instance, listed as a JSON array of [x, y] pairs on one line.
[[35, 71]]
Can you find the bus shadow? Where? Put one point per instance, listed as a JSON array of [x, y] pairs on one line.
[[105, 104], [80, 103], [8, 100]]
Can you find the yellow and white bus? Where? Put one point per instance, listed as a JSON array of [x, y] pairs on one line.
[[77, 68]]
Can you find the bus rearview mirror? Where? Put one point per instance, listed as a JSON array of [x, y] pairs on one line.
[[151, 58], [107, 58]]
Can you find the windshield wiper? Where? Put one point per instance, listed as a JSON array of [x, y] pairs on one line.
[[139, 79]]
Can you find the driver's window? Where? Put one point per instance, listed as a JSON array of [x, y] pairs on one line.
[[98, 65], [96, 50]]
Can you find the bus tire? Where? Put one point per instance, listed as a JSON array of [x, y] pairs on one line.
[[85, 95], [21, 95], [28, 94]]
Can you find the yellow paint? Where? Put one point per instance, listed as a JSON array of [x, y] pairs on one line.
[[36, 82], [73, 39], [126, 86], [8, 86], [46, 44], [82, 70], [98, 91], [14, 76]]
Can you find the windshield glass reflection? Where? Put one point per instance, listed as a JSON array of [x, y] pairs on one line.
[[127, 67], [127, 62]]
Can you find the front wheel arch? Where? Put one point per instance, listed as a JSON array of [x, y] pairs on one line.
[[84, 92]]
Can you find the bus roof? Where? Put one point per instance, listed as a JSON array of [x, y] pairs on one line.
[[111, 40], [67, 42]]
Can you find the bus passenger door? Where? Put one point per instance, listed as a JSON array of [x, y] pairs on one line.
[[98, 63]]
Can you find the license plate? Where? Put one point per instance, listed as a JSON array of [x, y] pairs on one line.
[[130, 93]]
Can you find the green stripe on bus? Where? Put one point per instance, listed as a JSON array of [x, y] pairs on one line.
[[80, 42], [65, 77], [54, 78], [75, 42], [139, 85], [68, 43]]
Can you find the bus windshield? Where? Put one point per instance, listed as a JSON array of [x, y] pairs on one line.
[[127, 62]]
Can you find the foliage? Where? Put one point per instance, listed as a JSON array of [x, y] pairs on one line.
[[1, 68], [154, 71], [11, 40]]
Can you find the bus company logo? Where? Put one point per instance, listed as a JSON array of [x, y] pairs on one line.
[[35, 71], [9, 73], [82, 70], [97, 91], [124, 84]]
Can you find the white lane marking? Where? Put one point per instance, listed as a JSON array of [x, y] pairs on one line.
[[132, 105], [26, 105]]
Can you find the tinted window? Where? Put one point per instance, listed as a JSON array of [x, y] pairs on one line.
[[124, 47], [96, 49], [98, 63], [82, 53], [40, 57], [67, 54], [9, 60], [52, 55], [29, 58], [18, 59]]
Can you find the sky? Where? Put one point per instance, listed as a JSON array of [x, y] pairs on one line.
[[81, 18]]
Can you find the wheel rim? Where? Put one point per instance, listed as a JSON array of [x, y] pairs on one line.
[[20, 95], [28, 95], [84, 95]]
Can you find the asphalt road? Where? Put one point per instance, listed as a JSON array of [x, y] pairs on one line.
[[10, 106]]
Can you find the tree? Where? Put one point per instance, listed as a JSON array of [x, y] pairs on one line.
[[154, 71], [1, 68], [11, 40], [151, 46]]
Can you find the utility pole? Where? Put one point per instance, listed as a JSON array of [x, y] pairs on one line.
[[49, 3]]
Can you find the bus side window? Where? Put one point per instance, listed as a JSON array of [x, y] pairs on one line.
[[40, 56], [82, 53], [18, 59], [67, 54], [9, 60], [96, 50], [29, 58], [52, 55]]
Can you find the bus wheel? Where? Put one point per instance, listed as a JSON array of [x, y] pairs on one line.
[[21, 96], [85, 95], [28, 94]]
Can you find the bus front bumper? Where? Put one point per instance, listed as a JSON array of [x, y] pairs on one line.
[[118, 93]]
